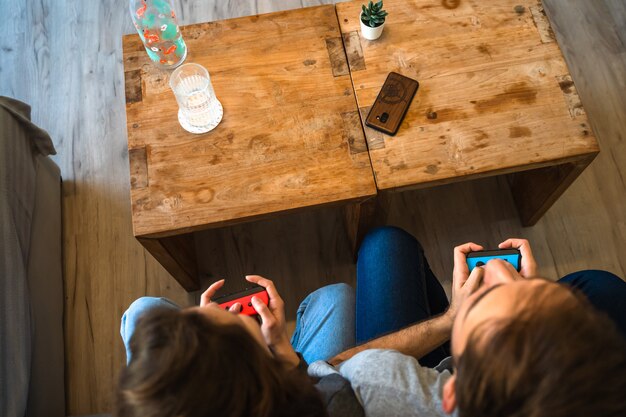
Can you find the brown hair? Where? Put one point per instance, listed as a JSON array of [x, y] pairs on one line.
[[184, 365], [556, 357]]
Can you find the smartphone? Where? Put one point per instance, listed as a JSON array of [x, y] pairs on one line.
[[392, 103], [480, 258], [245, 298]]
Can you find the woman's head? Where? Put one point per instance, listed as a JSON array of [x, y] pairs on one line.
[[208, 362]]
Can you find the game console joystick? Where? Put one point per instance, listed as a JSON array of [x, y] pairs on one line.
[[245, 299]]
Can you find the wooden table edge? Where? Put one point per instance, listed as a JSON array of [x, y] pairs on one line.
[[492, 173], [175, 249], [256, 217]]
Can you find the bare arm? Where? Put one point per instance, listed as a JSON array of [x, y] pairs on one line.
[[419, 339], [416, 340]]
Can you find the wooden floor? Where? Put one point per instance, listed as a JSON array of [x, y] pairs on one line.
[[65, 59]]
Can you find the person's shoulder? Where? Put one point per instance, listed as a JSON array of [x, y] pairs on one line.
[[391, 358], [380, 357], [387, 381], [339, 396]]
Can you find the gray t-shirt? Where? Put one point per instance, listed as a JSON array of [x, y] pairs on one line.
[[388, 383]]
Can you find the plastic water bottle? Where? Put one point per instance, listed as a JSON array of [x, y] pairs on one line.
[[155, 21]]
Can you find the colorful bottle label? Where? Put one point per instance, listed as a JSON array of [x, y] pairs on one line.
[[155, 21]]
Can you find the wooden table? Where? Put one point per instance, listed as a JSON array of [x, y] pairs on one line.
[[290, 139], [495, 98]]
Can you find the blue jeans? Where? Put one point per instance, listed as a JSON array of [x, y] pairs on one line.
[[605, 291], [395, 288], [324, 324], [137, 309]]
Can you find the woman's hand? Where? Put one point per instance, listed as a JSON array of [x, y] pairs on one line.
[[529, 266], [273, 324], [210, 292]]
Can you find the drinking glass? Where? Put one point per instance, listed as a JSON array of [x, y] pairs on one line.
[[199, 110]]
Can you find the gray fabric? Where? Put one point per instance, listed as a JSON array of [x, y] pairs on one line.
[[17, 200], [34, 135], [388, 383], [46, 395], [339, 397], [336, 393]]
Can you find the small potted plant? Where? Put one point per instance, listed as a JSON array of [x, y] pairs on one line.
[[372, 20]]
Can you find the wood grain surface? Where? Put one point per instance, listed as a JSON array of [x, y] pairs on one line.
[[286, 141], [495, 95], [65, 59]]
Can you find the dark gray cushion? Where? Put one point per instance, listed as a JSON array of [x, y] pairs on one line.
[[46, 394], [31, 298]]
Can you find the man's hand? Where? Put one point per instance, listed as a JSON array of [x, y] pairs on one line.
[[463, 283], [499, 271], [420, 338], [529, 266], [273, 325]]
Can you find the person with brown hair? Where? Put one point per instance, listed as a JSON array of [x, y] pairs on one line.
[[521, 345], [206, 361], [209, 366], [550, 355]]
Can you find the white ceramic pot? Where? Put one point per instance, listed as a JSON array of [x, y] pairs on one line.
[[371, 33]]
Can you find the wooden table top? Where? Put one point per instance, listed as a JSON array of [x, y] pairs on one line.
[[290, 137], [495, 93]]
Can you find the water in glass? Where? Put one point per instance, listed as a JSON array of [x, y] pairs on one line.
[[200, 111]]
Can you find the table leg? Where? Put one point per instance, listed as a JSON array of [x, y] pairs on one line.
[[536, 190], [361, 217], [177, 254]]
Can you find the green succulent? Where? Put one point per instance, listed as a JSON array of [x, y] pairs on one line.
[[373, 15]]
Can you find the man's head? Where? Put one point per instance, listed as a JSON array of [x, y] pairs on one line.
[[531, 347], [205, 361]]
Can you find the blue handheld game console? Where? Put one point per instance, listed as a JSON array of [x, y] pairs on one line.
[[481, 258]]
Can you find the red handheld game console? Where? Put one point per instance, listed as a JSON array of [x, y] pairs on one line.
[[245, 298]]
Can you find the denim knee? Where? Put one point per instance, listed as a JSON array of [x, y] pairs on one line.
[[138, 308], [604, 290], [599, 279], [143, 304], [334, 293], [381, 237], [135, 311]]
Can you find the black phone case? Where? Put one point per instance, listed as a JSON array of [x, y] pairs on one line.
[[392, 103]]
